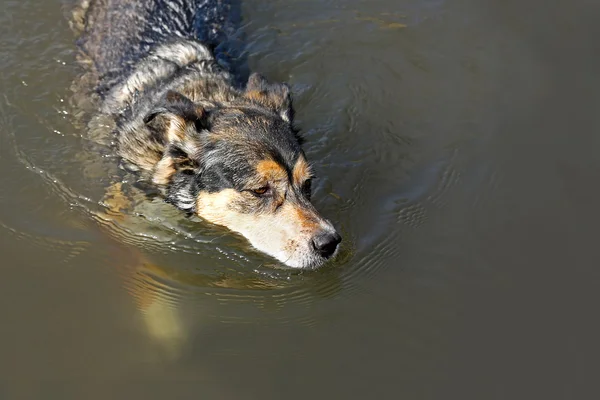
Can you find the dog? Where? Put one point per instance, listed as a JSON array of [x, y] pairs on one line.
[[228, 153]]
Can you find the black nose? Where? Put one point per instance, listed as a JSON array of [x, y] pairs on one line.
[[325, 243]]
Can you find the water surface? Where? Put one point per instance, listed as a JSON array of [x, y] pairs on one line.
[[456, 147]]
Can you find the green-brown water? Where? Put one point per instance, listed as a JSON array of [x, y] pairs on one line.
[[456, 144]]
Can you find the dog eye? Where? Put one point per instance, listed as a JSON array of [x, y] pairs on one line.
[[260, 191], [307, 188]]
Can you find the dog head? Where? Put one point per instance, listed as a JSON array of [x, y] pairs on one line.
[[241, 165]]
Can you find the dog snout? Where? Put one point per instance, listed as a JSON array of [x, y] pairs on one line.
[[325, 243]]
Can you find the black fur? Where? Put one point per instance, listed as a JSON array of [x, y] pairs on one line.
[[119, 33]]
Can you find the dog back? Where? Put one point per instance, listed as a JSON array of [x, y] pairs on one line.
[[116, 34]]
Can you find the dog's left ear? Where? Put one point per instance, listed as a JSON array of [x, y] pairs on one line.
[[275, 96], [176, 117], [178, 124]]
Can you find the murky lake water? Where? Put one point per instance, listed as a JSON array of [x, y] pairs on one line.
[[456, 145]]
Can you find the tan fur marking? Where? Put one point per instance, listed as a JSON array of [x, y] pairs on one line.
[[301, 171], [306, 220], [256, 96], [271, 170], [214, 207], [176, 129], [265, 98], [163, 171]]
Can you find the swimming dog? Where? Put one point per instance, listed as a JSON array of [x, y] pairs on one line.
[[225, 152]]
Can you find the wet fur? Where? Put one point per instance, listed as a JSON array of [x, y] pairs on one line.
[[184, 126]]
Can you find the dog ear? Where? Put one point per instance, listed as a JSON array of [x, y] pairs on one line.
[[177, 122], [175, 117], [275, 96]]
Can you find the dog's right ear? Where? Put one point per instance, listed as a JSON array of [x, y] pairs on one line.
[[275, 96], [175, 117]]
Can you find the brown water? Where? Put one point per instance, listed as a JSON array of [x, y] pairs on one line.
[[457, 148]]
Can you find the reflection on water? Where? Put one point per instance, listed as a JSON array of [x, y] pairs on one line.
[[455, 148]]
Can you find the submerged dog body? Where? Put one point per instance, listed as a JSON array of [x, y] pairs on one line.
[[227, 154]]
